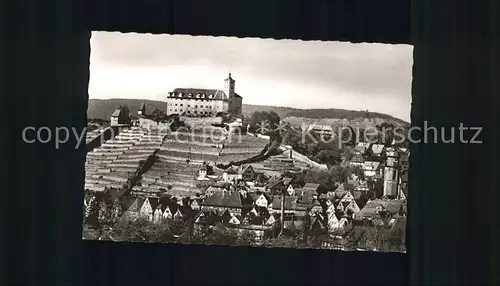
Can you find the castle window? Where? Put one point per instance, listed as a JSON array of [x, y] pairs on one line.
[[198, 95], [176, 104], [196, 106], [190, 95], [211, 96], [182, 104], [203, 96], [189, 105], [180, 94]]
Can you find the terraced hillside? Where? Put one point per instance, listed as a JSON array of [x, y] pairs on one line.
[[183, 154], [238, 148], [113, 163], [178, 157], [277, 165]]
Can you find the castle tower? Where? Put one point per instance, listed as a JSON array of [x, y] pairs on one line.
[[229, 90], [391, 174]]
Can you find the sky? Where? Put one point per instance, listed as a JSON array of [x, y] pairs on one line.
[[292, 73]]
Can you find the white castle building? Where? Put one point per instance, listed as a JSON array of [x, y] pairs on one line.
[[205, 102]]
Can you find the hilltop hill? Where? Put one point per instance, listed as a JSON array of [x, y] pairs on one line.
[[102, 109]]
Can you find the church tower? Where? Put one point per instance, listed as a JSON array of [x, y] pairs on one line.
[[391, 174], [229, 90]]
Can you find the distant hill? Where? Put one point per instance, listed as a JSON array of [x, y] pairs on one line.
[[103, 108]]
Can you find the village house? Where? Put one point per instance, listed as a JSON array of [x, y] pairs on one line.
[[195, 205], [380, 209], [247, 173], [291, 206], [336, 225], [219, 186], [318, 225], [224, 200], [321, 129], [377, 150], [133, 210], [148, 208], [120, 116], [231, 174], [276, 186], [311, 187], [290, 190], [198, 102], [167, 214], [341, 190], [262, 200], [372, 169], [361, 148]]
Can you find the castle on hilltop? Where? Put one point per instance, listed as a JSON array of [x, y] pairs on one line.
[[198, 102]]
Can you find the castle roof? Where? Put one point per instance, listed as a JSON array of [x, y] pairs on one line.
[[198, 94]]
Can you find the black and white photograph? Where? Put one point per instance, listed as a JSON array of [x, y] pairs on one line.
[[247, 142]]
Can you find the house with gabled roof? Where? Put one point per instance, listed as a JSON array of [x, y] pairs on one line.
[[158, 214], [335, 224], [276, 186], [167, 214], [229, 217], [120, 116], [352, 207], [309, 197], [271, 220], [363, 187], [247, 173], [290, 206], [231, 174], [254, 212], [148, 208], [298, 192], [287, 181], [348, 196], [378, 208], [233, 200], [316, 208], [361, 148], [342, 190], [318, 225], [178, 214], [372, 169], [377, 150], [195, 206], [331, 208], [311, 187], [235, 220], [262, 200], [133, 209]]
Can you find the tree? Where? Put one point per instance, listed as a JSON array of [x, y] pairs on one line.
[[329, 157], [263, 122]]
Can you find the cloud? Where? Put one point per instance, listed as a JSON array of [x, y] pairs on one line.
[[331, 74]]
